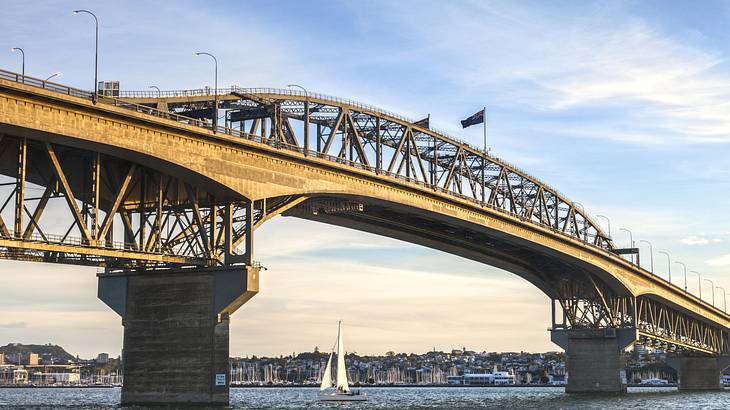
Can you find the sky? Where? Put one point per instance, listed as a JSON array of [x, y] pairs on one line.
[[621, 105]]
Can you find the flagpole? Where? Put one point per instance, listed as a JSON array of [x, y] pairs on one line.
[[484, 160], [484, 121]]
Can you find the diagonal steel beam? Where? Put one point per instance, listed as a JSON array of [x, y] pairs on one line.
[[68, 194], [117, 202]]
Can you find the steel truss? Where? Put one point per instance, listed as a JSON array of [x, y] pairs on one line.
[[74, 206], [665, 327], [370, 138], [585, 304]]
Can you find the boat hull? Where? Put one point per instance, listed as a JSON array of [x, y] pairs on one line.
[[342, 397]]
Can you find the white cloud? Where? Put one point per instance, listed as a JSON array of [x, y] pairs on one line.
[[667, 90], [723, 260], [695, 240]]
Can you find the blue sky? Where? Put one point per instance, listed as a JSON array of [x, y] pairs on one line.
[[621, 105]]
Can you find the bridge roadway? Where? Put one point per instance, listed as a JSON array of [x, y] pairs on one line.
[[183, 201]]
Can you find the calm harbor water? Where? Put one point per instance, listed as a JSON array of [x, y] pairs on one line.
[[542, 398]]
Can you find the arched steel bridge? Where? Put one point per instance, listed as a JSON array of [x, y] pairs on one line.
[[144, 181]]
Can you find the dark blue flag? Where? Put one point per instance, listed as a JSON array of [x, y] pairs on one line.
[[424, 123], [477, 118]]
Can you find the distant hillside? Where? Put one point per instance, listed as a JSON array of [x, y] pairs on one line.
[[58, 353]]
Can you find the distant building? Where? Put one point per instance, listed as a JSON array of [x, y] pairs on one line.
[[558, 379], [20, 376], [641, 350], [2, 359], [102, 358], [27, 358], [455, 380], [109, 88]]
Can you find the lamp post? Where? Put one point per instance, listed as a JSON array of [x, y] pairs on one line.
[[685, 274], [699, 281], [713, 290], [52, 75], [22, 60], [651, 254], [669, 265], [306, 116], [608, 222], [724, 299], [95, 95], [215, 98], [159, 93], [631, 238]]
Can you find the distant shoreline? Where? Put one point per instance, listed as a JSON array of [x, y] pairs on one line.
[[286, 386]]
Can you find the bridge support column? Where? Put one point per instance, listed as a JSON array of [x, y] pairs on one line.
[[594, 359], [699, 373], [176, 331]]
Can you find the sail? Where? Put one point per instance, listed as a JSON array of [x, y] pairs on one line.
[[327, 376], [341, 369]]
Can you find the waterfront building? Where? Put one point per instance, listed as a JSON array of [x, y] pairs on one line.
[[558, 379], [454, 380], [2, 359], [27, 358], [102, 358], [20, 376]]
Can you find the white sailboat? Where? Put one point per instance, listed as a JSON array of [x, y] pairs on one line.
[[342, 390]]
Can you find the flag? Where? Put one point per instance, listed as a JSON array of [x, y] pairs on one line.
[[477, 118], [424, 123]]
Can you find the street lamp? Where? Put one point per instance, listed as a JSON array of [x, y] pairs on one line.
[[713, 290], [52, 75], [651, 253], [215, 98], [685, 274], [306, 116], [159, 93], [669, 265], [699, 281], [95, 95], [724, 299], [608, 221], [22, 54], [631, 238]]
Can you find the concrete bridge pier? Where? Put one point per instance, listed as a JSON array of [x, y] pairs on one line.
[[594, 359], [176, 331], [699, 373]]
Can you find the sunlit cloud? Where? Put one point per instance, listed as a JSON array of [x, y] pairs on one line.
[[695, 240], [723, 260], [14, 325]]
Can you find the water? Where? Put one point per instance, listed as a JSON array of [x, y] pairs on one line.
[[542, 398]]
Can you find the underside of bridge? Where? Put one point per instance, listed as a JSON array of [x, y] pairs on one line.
[[169, 209]]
